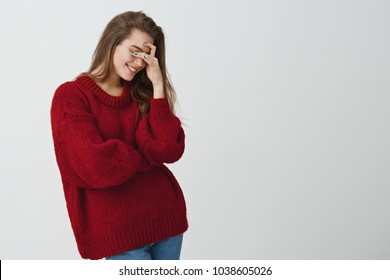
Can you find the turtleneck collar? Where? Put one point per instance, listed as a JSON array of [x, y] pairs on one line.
[[114, 101]]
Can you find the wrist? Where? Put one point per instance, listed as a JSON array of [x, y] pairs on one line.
[[158, 91]]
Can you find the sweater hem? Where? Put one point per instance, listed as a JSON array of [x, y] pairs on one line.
[[113, 243]]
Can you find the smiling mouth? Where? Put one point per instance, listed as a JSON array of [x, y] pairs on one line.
[[132, 69]]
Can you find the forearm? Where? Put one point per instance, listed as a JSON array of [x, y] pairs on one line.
[[158, 91]]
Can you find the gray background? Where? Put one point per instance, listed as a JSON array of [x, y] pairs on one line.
[[286, 112]]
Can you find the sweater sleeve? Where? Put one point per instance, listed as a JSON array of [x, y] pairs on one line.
[[83, 157], [159, 135]]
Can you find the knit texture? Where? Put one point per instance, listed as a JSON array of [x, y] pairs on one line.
[[119, 194]]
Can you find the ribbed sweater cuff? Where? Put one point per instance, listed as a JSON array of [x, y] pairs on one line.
[[159, 109]]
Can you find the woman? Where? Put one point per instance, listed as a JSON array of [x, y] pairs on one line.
[[113, 129]]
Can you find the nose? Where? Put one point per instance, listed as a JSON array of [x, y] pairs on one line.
[[138, 61]]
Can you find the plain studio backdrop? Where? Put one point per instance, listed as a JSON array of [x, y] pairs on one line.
[[286, 110]]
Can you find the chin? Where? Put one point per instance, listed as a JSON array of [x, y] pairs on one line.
[[127, 77]]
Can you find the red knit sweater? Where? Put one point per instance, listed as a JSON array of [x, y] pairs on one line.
[[118, 192]]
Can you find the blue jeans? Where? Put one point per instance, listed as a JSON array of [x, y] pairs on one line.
[[168, 249]]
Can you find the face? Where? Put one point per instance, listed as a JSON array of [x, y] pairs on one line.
[[125, 64]]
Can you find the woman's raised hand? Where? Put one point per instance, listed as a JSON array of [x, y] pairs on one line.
[[152, 69]]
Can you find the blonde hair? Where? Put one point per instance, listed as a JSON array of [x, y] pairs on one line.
[[117, 30]]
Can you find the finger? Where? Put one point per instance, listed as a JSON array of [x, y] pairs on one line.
[[152, 48], [138, 54], [148, 58]]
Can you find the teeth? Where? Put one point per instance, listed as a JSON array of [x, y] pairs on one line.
[[131, 68]]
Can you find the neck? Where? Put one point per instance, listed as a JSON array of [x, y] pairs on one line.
[[112, 85]]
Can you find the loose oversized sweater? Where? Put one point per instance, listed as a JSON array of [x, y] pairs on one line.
[[119, 194]]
